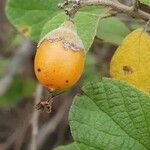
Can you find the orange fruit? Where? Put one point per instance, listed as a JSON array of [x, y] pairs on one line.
[[60, 57]]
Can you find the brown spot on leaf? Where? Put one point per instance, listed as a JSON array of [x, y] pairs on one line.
[[24, 30], [127, 70]]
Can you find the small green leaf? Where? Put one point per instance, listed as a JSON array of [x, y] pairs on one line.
[[85, 22], [29, 16], [72, 146], [111, 115], [147, 2], [112, 30], [20, 88]]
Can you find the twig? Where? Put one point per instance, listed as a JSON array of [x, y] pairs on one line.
[[51, 125], [35, 118], [117, 6], [135, 5], [72, 11], [23, 52], [110, 13]]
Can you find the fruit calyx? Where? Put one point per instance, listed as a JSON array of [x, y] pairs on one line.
[[67, 34]]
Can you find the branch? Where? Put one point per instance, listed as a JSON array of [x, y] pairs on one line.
[[35, 118], [23, 52], [135, 5], [72, 11], [117, 6]]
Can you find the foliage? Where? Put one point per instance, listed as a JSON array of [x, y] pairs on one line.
[[87, 35], [33, 17], [131, 60], [30, 16], [112, 30], [110, 114], [90, 72], [147, 2]]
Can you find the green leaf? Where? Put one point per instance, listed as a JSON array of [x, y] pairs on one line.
[[111, 115], [85, 22], [147, 2], [20, 88], [72, 146], [90, 71], [29, 16], [112, 30]]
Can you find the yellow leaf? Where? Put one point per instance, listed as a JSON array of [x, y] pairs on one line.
[[131, 61]]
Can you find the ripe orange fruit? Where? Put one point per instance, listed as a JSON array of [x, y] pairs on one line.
[[59, 60]]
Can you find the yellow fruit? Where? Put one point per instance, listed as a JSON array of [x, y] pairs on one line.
[[59, 60], [131, 61]]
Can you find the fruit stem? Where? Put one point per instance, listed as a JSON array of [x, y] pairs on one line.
[[69, 11], [72, 11]]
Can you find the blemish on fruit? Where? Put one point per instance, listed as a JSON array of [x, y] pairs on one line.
[[67, 81], [39, 70], [127, 70]]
